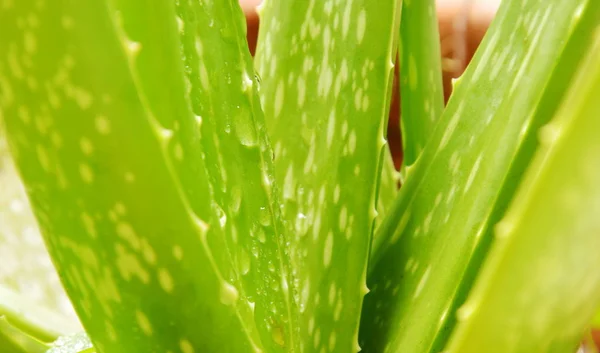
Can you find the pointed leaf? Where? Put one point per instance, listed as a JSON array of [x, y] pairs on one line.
[[539, 286], [439, 229], [326, 69]]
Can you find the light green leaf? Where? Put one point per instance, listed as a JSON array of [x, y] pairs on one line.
[[224, 93], [539, 286], [421, 76], [438, 231], [134, 189], [326, 69]]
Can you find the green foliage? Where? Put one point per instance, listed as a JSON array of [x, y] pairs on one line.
[[509, 309], [326, 77], [123, 189], [193, 200], [438, 231]]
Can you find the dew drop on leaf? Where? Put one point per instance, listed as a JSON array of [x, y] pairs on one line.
[[278, 336], [265, 217], [244, 129], [244, 262], [262, 237], [229, 294]]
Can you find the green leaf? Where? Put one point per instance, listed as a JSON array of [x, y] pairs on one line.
[[138, 194], [438, 232], [224, 92], [421, 76], [326, 69], [539, 286]]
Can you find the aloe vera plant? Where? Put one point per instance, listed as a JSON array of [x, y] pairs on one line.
[[194, 199]]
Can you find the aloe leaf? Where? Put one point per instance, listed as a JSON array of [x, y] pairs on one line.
[[224, 92], [438, 231], [120, 172], [326, 69], [421, 76], [539, 287]]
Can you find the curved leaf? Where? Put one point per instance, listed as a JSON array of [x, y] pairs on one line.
[[121, 172]]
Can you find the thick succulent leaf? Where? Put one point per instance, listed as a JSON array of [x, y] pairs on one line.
[[224, 93], [326, 69], [539, 286], [121, 173], [439, 228], [421, 76]]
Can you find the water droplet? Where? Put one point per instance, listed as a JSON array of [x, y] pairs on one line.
[[465, 311], [264, 217], [229, 294], [301, 224], [278, 336], [220, 214], [236, 199], [228, 128], [262, 237], [244, 262], [245, 129]]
